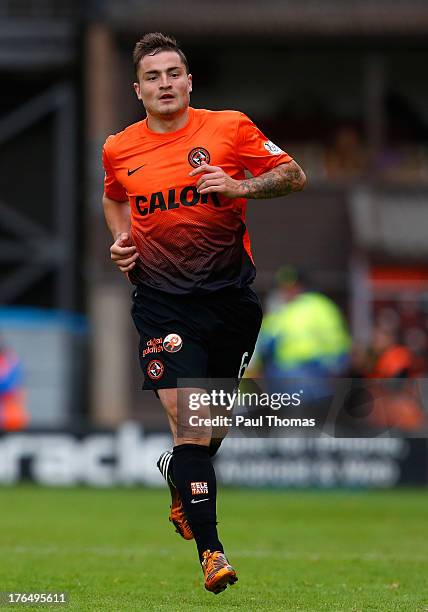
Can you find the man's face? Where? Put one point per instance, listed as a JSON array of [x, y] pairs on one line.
[[164, 87]]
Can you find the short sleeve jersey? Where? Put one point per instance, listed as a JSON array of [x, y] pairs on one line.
[[188, 242]]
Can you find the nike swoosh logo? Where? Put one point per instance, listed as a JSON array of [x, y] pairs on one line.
[[134, 170], [198, 501]]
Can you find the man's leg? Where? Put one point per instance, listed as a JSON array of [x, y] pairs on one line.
[[194, 477], [165, 462], [192, 471], [177, 516]]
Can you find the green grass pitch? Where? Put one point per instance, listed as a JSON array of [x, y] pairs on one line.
[[295, 551]]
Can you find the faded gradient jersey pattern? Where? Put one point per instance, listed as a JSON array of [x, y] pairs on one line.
[[188, 242]]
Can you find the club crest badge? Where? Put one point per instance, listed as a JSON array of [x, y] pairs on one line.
[[155, 369], [198, 156]]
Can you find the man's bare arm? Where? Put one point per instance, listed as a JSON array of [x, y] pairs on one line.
[[280, 181], [117, 216], [122, 251]]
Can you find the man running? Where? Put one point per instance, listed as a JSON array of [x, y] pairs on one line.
[[175, 200]]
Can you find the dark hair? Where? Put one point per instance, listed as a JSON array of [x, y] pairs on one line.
[[153, 43]]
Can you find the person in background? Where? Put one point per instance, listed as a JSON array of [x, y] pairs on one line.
[[13, 413], [304, 337], [393, 367]]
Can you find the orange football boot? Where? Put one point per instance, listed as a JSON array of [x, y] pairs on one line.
[[217, 571], [178, 517]]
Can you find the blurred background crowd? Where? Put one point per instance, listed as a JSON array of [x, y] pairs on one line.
[[342, 267]]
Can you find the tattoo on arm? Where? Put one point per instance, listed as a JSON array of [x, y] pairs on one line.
[[280, 181]]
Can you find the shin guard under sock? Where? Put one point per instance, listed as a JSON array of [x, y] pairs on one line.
[[195, 480]]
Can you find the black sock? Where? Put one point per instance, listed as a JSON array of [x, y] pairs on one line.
[[195, 480], [165, 466], [214, 446]]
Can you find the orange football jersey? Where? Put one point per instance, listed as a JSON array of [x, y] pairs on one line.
[[188, 242]]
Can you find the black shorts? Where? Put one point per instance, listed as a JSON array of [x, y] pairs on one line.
[[195, 336]]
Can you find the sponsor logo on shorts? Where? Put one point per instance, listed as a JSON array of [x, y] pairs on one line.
[[199, 488], [172, 343], [155, 369], [198, 156], [154, 345], [272, 148]]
